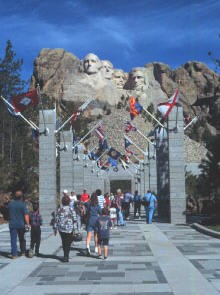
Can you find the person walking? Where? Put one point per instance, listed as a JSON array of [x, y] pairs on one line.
[[150, 205], [18, 217], [64, 223], [119, 200], [93, 210], [101, 198], [36, 222], [103, 225], [137, 204]]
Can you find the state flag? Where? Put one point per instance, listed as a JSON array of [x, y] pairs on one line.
[[129, 127], [24, 100], [135, 108], [165, 107]]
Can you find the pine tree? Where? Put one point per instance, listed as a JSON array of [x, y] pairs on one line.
[[15, 146]]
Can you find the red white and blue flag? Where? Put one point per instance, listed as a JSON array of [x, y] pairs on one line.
[[129, 127], [100, 133], [165, 107], [24, 100], [127, 144]]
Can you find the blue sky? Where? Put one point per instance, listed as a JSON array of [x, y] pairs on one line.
[[129, 33]]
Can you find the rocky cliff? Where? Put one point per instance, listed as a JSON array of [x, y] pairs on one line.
[[67, 79]]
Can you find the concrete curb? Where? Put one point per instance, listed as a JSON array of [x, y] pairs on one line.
[[205, 230]]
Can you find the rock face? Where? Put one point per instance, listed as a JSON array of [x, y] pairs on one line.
[[68, 79]]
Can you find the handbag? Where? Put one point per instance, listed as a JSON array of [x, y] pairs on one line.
[[77, 237]]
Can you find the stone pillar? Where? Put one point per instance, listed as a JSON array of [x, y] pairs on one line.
[[152, 168], [162, 160], [78, 176], [176, 166], [47, 166], [66, 162]]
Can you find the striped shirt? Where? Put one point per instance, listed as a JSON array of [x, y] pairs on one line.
[[101, 201]]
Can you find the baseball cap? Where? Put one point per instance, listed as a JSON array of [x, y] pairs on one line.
[[65, 191]]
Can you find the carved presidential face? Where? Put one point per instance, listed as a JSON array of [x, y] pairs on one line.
[[107, 69], [138, 79], [119, 78], [91, 64]]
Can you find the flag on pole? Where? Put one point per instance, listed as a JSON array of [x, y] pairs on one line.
[[165, 107], [75, 115], [127, 144], [113, 162], [99, 132], [24, 100], [113, 153], [135, 108], [129, 127], [103, 145]]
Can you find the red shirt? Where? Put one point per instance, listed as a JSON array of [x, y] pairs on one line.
[[84, 197]]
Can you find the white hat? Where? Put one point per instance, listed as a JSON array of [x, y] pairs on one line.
[[65, 191]]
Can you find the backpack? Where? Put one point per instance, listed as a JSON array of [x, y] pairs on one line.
[[146, 202]]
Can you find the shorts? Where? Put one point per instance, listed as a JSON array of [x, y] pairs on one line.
[[103, 242], [90, 228]]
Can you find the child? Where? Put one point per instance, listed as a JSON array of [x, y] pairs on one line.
[[113, 214], [103, 225], [35, 222]]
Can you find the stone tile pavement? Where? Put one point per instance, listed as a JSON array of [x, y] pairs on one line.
[[157, 259]]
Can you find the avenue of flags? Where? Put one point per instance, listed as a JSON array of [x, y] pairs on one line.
[[112, 157], [103, 150]]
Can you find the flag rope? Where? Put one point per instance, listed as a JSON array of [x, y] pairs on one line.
[[33, 126]]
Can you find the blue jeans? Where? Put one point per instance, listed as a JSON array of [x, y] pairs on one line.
[[20, 232], [120, 218], [149, 214]]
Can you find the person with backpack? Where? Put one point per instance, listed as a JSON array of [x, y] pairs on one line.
[[103, 225], [150, 202], [137, 204]]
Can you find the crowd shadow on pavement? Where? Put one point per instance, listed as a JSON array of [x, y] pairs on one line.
[[5, 254], [83, 252], [50, 256]]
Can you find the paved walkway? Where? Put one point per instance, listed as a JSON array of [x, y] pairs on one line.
[[157, 259]]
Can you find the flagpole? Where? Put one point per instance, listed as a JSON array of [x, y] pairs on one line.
[[87, 134], [152, 116], [81, 108], [145, 137], [190, 123], [126, 137], [33, 126]]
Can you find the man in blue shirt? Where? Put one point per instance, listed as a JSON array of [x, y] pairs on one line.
[[152, 201], [18, 216]]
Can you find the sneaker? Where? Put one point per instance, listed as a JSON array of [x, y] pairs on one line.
[[99, 256], [65, 259], [30, 253], [96, 250], [105, 258], [12, 256]]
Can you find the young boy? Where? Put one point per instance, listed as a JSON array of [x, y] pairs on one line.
[[103, 225], [35, 222]]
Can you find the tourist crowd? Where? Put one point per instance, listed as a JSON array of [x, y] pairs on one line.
[[95, 213]]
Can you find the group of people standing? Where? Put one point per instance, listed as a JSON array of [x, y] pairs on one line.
[[97, 213]]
